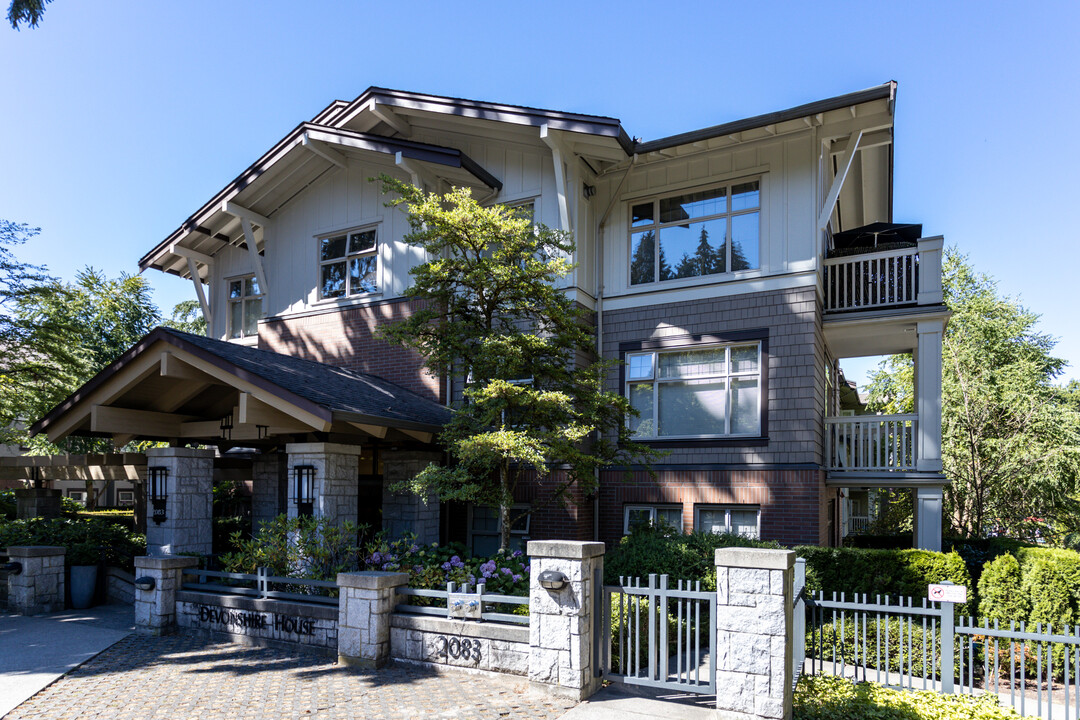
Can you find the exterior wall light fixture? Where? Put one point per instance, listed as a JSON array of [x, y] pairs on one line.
[[159, 494], [553, 580], [145, 583], [304, 495]]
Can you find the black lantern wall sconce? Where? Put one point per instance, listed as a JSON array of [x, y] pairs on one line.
[[159, 494], [304, 495]]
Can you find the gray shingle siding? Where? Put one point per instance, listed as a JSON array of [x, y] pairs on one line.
[[796, 365]]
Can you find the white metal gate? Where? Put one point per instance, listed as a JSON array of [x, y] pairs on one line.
[[658, 636]]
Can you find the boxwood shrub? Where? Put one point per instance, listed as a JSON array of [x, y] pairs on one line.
[[84, 539], [831, 698]]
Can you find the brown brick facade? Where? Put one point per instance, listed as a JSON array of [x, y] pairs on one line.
[[345, 337], [791, 501]]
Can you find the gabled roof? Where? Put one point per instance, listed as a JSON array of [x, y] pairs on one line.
[[287, 389]]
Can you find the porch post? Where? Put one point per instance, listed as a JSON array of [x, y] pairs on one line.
[[183, 519], [928, 395], [268, 476], [336, 470]]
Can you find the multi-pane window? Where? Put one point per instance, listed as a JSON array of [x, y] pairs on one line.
[[742, 520], [705, 232], [125, 498], [652, 515], [485, 529], [348, 264], [698, 392], [245, 307]]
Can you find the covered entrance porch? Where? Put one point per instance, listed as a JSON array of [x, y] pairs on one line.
[[321, 440]]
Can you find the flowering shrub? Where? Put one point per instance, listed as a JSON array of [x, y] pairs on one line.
[[433, 566]]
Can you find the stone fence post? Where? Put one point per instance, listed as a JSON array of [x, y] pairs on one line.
[[39, 586], [754, 652], [364, 607], [561, 620], [155, 608]]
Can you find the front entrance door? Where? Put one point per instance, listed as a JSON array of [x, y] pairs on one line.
[[369, 494]]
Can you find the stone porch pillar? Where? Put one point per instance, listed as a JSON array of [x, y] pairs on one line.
[[336, 470], [269, 487], [189, 484], [406, 512], [364, 608], [155, 608], [561, 621]]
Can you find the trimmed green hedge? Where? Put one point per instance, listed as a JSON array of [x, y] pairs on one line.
[[831, 698], [882, 572], [87, 541]]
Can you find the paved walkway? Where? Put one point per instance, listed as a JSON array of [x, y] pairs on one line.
[[183, 676], [35, 651]]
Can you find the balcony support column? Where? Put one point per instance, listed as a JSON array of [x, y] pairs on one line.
[[927, 516], [928, 394]]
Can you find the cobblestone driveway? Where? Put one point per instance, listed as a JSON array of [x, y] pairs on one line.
[[185, 677]]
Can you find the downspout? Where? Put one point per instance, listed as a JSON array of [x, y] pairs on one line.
[[598, 273]]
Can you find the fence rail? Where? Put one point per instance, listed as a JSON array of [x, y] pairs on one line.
[[483, 597], [261, 586], [871, 442], [924, 645]]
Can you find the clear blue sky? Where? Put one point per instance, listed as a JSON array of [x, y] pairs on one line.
[[119, 119]]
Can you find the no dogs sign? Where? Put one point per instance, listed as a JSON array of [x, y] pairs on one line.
[[948, 593]]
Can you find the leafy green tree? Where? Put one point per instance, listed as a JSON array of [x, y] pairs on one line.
[[494, 316], [26, 11], [187, 317], [1010, 435]]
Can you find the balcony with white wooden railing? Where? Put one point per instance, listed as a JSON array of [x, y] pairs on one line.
[[885, 279], [857, 524], [871, 443]]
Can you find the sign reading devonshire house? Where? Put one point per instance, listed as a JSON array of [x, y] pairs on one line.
[[270, 622]]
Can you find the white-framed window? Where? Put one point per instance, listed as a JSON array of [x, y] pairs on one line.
[[742, 520], [694, 233], [245, 306], [125, 498], [78, 496], [696, 392], [670, 515], [349, 263], [485, 529]]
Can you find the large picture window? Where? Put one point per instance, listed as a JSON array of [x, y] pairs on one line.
[[348, 263], [696, 392], [652, 515], [485, 529], [705, 232], [245, 307]]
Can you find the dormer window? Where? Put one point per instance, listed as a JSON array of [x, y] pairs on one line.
[[348, 263], [703, 232]]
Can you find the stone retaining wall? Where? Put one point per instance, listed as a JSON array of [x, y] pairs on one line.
[[119, 586], [460, 643], [272, 623]]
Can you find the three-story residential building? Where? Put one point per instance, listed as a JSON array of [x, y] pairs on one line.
[[728, 271]]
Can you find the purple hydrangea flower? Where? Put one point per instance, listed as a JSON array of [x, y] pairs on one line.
[[376, 557], [446, 566], [507, 571], [516, 553], [526, 568], [486, 574], [516, 578], [488, 567], [414, 548]]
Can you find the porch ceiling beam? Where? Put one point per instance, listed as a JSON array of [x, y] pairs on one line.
[[211, 429], [120, 441], [174, 398], [326, 153], [122, 421], [378, 431], [424, 437], [844, 167], [119, 384], [560, 154], [253, 411], [869, 140], [388, 116], [174, 367]]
